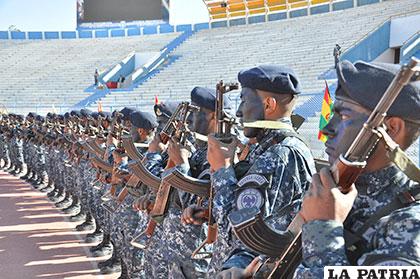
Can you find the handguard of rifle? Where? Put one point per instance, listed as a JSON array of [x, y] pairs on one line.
[[183, 182], [250, 228], [345, 172]]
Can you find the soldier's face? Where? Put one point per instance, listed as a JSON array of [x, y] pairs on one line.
[[343, 127], [250, 109], [135, 134], [201, 121]]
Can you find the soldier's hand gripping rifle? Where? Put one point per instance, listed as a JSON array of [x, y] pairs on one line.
[[285, 248], [174, 129], [204, 189]]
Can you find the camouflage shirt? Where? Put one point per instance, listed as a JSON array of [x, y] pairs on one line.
[[290, 165], [394, 239]]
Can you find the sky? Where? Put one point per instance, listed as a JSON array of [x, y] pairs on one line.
[[60, 15]]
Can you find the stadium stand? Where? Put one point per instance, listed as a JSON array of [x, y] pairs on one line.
[[38, 74], [304, 43]]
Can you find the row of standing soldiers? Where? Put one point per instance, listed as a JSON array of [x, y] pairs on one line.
[[183, 193]]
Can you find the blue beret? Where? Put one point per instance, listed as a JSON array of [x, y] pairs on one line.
[[206, 98], [85, 112], [95, 115], [366, 83], [271, 78], [32, 114], [143, 120], [66, 115], [75, 113], [166, 108], [126, 112], [39, 118]]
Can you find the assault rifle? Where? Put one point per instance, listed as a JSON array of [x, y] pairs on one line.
[[284, 248], [175, 128], [224, 123]]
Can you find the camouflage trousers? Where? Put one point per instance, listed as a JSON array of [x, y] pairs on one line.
[[178, 244]]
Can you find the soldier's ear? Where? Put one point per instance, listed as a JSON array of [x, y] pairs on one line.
[[270, 105], [396, 129]]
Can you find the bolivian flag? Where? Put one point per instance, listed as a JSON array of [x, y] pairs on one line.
[[325, 113]]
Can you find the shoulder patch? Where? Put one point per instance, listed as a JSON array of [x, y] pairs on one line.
[[254, 179]]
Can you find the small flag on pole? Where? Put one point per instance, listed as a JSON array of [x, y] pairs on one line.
[[325, 113], [100, 106], [157, 102]]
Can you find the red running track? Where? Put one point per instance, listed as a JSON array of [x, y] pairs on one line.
[[37, 240]]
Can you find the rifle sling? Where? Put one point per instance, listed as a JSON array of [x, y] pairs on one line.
[[399, 157]]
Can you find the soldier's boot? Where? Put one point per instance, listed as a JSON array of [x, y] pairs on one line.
[[124, 271], [26, 175], [113, 267], [104, 248], [110, 261], [43, 181], [74, 207], [105, 239], [30, 176], [49, 188], [54, 193], [87, 225], [35, 181], [61, 195], [96, 236], [64, 202], [79, 216], [14, 171], [10, 168], [21, 169]]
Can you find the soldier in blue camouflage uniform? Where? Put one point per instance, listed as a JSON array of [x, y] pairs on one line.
[[27, 147], [97, 189], [17, 144], [119, 162], [281, 160], [179, 241], [4, 148], [148, 261], [127, 220], [392, 238]]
